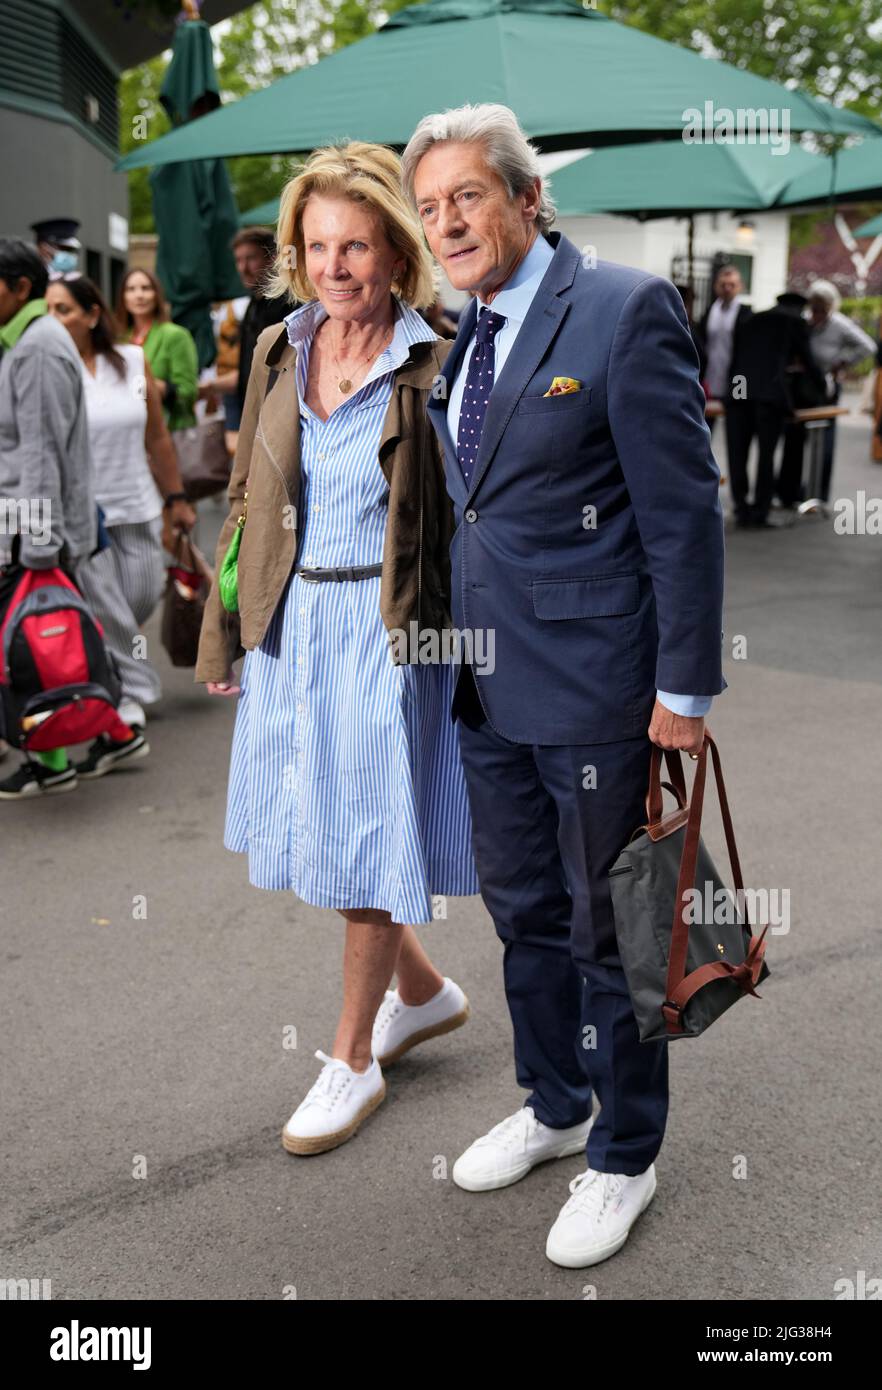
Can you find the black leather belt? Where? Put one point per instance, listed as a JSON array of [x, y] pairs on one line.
[[336, 573]]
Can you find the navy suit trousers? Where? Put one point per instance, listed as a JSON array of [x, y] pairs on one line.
[[549, 821]]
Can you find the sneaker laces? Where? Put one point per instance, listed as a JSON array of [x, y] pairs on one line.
[[390, 1007], [333, 1080], [514, 1131], [592, 1193]]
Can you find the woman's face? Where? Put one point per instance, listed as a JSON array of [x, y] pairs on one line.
[[349, 258], [139, 295], [78, 322]]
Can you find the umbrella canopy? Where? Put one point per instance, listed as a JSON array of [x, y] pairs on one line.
[[856, 172], [668, 178], [574, 77], [193, 204], [871, 228], [264, 215]]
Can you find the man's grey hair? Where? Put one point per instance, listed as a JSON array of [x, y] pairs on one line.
[[826, 292], [509, 151]]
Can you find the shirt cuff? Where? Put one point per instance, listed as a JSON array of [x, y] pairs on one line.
[[692, 706]]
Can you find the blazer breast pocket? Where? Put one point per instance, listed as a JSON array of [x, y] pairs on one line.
[[555, 405], [601, 596]]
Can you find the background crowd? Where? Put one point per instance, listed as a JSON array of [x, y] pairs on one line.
[[114, 424]]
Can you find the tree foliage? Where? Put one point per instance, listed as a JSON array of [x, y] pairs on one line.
[[828, 48], [253, 49]]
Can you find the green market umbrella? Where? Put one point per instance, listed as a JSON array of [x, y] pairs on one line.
[[574, 77], [871, 228], [672, 179], [193, 205], [848, 174], [664, 178], [264, 215]]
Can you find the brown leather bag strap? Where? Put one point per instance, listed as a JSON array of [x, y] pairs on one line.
[[686, 879], [745, 975], [676, 996], [737, 881], [678, 783]]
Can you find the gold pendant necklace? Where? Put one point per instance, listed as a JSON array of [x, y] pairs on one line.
[[345, 383]]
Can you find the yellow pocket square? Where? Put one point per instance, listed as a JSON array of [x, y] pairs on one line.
[[563, 385]]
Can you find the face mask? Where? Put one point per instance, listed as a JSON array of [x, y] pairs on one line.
[[63, 261]]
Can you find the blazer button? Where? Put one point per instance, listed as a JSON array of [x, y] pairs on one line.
[[471, 514]]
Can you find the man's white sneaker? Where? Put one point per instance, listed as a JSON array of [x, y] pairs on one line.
[[512, 1148], [334, 1108], [398, 1027], [130, 712], [597, 1219]]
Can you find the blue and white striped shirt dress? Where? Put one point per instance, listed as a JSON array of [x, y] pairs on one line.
[[345, 778]]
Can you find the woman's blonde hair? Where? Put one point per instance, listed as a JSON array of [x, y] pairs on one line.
[[367, 174]]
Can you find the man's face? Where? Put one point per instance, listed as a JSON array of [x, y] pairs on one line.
[[13, 297], [252, 263], [820, 310], [476, 232], [728, 285]]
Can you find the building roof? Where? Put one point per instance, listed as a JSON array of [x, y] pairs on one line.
[[129, 42]]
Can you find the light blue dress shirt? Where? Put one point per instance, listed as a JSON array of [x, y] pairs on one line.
[[513, 301]]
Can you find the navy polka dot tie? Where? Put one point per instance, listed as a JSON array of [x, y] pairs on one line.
[[476, 396]]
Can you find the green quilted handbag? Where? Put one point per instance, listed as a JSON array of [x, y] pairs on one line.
[[228, 577]]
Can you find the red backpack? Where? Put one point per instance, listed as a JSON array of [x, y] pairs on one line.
[[59, 684]]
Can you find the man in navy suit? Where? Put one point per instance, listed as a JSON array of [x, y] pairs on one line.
[[589, 539]]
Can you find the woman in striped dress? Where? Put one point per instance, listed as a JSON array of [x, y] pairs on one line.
[[345, 782]]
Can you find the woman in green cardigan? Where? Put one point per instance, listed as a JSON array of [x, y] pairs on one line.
[[169, 349]]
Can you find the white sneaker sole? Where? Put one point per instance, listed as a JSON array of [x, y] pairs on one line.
[[433, 1030], [321, 1143], [572, 1259], [111, 761], [70, 785], [491, 1184]]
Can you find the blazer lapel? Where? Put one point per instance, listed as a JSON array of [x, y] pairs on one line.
[[438, 401], [279, 420]]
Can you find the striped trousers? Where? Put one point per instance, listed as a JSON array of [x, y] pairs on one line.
[[122, 585]]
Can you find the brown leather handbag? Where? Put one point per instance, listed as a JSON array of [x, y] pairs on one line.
[[203, 459], [683, 972], [188, 581]]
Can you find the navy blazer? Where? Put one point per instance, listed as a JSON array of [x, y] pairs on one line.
[[590, 612]]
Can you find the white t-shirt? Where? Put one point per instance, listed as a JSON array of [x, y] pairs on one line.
[[116, 409]]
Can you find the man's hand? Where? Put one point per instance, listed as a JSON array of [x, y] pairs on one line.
[[669, 730]]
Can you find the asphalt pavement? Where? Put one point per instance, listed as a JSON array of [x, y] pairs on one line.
[[146, 990]]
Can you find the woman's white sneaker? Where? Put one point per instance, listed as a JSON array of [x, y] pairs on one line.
[[398, 1026], [597, 1219], [334, 1108], [512, 1148]]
